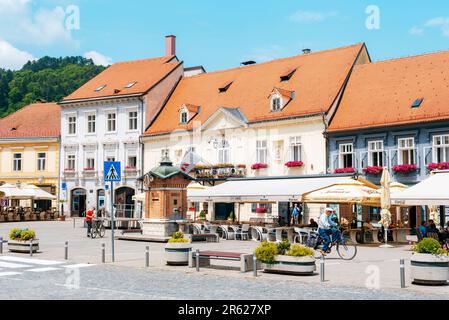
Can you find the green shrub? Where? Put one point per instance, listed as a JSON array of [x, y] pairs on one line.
[[203, 214], [283, 247], [232, 216], [22, 234], [28, 235], [14, 234], [428, 245], [266, 252], [178, 237], [297, 250]]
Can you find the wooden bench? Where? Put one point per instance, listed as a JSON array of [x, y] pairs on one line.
[[246, 259], [206, 237]]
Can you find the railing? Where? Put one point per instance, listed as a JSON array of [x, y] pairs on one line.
[[124, 210]]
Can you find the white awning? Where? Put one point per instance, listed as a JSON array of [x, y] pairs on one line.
[[140, 197], [263, 190], [433, 191]]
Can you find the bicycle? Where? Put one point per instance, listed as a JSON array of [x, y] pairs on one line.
[[98, 229], [346, 248]]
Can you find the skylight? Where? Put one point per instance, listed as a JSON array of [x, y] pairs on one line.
[[130, 85], [100, 88], [417, 103], [288, 75], [225, 87]]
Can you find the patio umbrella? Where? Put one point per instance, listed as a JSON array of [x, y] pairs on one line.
[[38, 193], [14, 192], [385, 202]]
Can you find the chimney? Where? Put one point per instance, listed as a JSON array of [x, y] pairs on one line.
[[306, 51], [170, 45]]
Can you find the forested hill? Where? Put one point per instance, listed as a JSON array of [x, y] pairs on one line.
[[47, 79]]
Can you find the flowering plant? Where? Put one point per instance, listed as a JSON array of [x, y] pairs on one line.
[[258, 166], [293, 164], [438, 166], [405, 168], [373, 170], [261, 210], [130, 168], [89, 169], [69, 169], [344, 170]]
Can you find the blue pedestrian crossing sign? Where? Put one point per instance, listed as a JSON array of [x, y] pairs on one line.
[[112, 171]]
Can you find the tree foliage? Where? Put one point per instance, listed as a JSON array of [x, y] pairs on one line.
[[46, 79]]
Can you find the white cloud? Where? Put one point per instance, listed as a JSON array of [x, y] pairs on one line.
[[311, 16], [98, 58], [13, 58], [13, 5], [416, 31], [439, 22]]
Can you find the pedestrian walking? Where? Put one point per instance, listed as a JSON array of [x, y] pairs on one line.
[[89, 217]]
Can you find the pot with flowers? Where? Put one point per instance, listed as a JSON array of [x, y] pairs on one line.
[[294, 164], [430, 263], [23, 241], [438, 166], [177, 250], [405, 168], [344, 170], [374, 170], [285, 258], [258, 166]]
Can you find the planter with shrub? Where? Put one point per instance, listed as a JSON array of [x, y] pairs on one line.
[[23, 241], [285, 258], [430, 263], [177, 250]]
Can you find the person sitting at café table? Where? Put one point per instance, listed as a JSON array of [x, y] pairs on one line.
[[423, 229], [367, 225], [313, 224]]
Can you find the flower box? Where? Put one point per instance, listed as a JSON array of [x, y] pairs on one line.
[[261, 210], [344, 170], [438, 166], [258, 166], [291, 265], [294, 164], [23, 246], [89, 169], [129, 168], [428, 269], [177, 254], [405, 168], [373, 170]]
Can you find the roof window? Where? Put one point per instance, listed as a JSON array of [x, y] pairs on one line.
[[100, 88], [288, 75], [417, 103], [130, 85], [225, 87]]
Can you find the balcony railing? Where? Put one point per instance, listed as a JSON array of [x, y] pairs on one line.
[[220, 171]]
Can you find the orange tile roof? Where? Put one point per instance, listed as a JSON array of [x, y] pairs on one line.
[[34, 120], [382, 93], [317, 81], [144, 73]]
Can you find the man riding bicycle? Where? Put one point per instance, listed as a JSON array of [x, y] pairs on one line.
[[328, 229]]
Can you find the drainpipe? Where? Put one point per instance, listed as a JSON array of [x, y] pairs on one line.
[[59, 175], [326, 137], [142, 150]]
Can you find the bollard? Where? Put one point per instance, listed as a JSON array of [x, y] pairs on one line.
[[197, 257], [31, 247], [254, 265], [402, 272], [147, 257], [322, 269], [73, 223], [1, 245], [66, 256], [103, 253]]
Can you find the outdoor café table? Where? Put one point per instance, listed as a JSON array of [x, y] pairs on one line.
[[400, 234], [375, 235]]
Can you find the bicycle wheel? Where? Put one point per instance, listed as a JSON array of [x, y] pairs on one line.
[[102, 231], [93, 232], [347, 250]]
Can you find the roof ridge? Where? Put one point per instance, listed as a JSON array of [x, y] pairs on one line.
[[26, 107], [407, 57], [275, 60], [168, 58]]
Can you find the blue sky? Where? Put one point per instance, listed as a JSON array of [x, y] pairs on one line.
[[216, 34]]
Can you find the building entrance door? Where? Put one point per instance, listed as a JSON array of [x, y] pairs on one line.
[[78, 205], [223, 211]]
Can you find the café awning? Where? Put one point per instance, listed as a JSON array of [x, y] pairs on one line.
[[431, 192], [276, 189], [25, 192]]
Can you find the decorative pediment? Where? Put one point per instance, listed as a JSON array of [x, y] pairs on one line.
[[226, 118]]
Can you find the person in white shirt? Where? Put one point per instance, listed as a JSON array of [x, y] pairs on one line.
[[325, 229]]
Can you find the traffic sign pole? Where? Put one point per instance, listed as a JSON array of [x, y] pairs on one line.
[[112, 173], [112, 221]]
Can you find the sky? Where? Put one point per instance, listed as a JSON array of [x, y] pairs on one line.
[[217, 34]]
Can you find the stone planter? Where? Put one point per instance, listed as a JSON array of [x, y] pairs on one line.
[[22, 246], [61, 218], [428, 269], [291, 265], [177, 254]]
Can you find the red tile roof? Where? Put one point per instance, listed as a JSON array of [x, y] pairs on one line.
[[32, 121], [382, 93], [316, 82], [144, 73]]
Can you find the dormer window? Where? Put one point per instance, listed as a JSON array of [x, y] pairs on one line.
[[100, 88], [184, 116], [276, 103]]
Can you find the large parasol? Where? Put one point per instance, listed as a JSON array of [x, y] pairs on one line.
[[385, 202]]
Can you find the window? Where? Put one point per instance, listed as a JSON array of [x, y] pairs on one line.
[[184, 117], [90, 163], [71, 162], [276, 103], [132, 116], [295, 149], [72, 124], [111, 124], [100, 88], [224, 152], [267, 207], [110, 159], [417, 103], [41, 159], [376, 153], [441, 148], [17, 162], [132, 162], [130, 85], [406, 147], [91, 123], [262, 152], [165, 153], [346, 155]]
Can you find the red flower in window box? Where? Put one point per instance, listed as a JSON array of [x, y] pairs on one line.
[[130, 168], [344, 170], [294, 164], [258, 166], [89, 169], [261, 210], [69, 170], [438, 166], [405, 168], [373, 170]]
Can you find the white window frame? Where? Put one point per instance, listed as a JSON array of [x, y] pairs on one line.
[[134, 119], [442, 144], [109, 121], [69, 160], [183, 116], [376, 150], [71, 124], [406, 145], [41, 162], [91, 124], [276, 107], [345, 149], [88, 159], [17, 162], [295, 143], [262, 151]]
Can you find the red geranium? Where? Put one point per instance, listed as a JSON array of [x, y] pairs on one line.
[[438, 166], [373, 170], [405, 168], [344, 170], [261, 210], [294, 164], [258, 166]]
